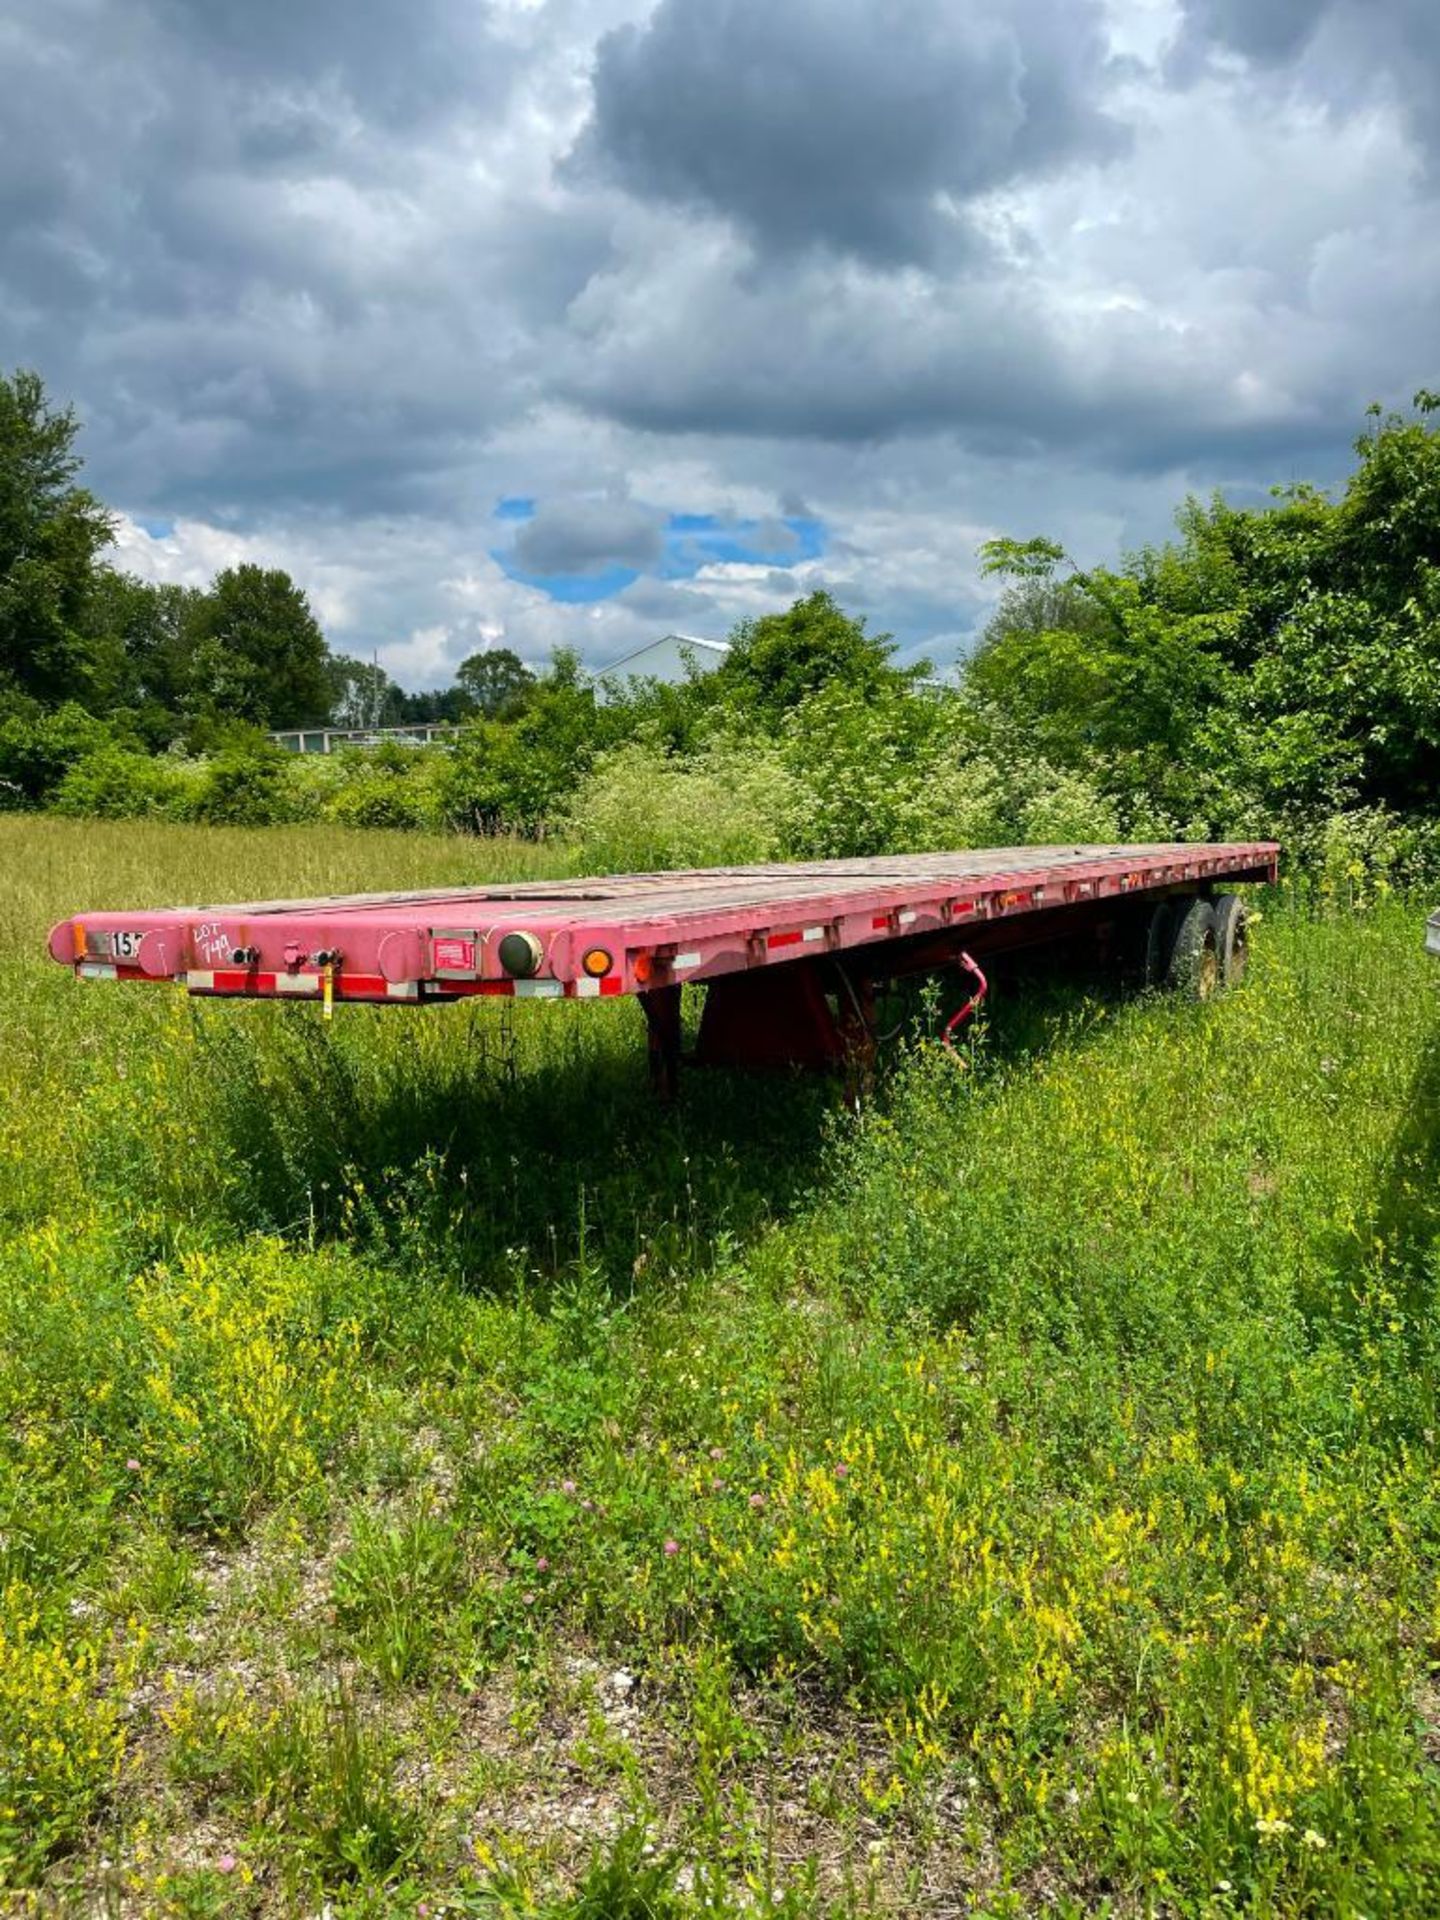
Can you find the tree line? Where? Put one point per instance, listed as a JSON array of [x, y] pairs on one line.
[[1271, 669], [172, 663]]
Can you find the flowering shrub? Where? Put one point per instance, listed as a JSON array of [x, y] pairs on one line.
[[246, 1392], [62, 1729]]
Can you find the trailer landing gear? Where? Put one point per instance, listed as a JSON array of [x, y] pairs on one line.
[[661, 1007]]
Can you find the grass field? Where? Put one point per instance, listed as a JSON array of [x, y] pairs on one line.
[[440, 1482]]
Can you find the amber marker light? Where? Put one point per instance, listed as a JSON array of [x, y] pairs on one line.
[[597, 962], [642, 966]]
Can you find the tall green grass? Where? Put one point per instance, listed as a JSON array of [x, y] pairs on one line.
[[1019, 1498]]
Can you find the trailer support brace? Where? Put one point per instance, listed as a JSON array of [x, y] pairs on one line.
[[661, 1007], [780, 1017]]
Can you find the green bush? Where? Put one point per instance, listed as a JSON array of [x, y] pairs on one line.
[[643, 808], [117, 783], [1066, 807], [245, 788], [37, 747]]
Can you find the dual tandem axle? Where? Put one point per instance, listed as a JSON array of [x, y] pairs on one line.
[[793, 956]]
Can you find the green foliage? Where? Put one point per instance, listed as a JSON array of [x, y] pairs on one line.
[[497, 680], [519, 776], [1271, 671], [62, 1733], [257, 652], [119, 783], [643, 808], [1271, 667], [51, 531], [777, 661], [396, 1587], [1037, 1470], [38, 744], [884, 770]]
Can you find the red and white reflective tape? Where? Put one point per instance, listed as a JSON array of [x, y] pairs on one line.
[[588, 989], [795, 937]]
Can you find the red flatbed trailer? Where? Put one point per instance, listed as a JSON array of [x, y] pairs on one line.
[[791, 953]]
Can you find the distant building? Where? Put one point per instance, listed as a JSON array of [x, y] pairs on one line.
[[671, 659]]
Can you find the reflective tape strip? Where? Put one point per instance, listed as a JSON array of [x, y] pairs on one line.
[[92, 970], [358, 986], [402, 989], [297, 983], [199, 982], [684, 960], [539, 989], [880, 923], [589, 989], [813, 933], [907, 916], [782, 939]]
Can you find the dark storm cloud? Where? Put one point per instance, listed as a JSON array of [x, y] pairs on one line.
[[1344, 53], [1263, 30], [840, 122], [327, 280], [235, 236], [581, 536], [399, 61], [828, 357]]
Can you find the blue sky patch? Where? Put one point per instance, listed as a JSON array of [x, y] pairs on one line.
[[696, 540], [573, 589], [691, 542]]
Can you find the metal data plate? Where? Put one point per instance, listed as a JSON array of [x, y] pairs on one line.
[[454, 955]]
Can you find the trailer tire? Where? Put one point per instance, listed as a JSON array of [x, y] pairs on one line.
[[1159, 942], [1231, 938], [1195, 957]]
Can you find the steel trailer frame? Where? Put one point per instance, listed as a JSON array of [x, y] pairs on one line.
[[791, 954]]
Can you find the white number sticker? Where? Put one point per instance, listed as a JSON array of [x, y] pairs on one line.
[[125, 943]]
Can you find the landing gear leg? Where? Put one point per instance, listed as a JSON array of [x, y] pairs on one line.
[[661, 1006]]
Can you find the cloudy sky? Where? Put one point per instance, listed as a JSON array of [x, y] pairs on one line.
[[537, 321]]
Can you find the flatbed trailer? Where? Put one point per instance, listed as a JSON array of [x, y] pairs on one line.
[[792, 955]]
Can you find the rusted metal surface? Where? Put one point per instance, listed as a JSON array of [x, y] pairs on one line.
[[639, 933]]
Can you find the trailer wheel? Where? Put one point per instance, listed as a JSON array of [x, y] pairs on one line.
[[1195, 957], [1159, 943], [1231, 938]]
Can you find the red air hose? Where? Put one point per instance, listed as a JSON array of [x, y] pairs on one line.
[[982, 987]]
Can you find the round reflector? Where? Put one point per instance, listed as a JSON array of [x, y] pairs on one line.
[[521, 954], [597, 962]]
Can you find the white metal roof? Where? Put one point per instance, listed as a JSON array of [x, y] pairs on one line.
[[666, 639]]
